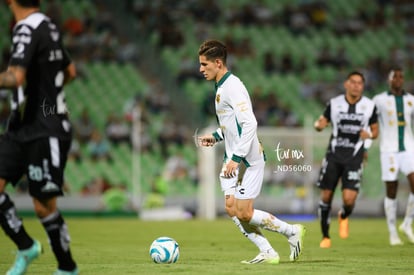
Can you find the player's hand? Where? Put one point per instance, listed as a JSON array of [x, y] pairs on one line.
[[207, 140], [321, 123], [231, 169], [365, 134]]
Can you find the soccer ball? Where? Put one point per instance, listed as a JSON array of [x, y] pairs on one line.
[[164, 250]]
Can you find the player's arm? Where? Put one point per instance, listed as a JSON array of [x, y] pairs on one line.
[[70, 73], [372, 134], [13, 77], [321, 123], [373, 125]]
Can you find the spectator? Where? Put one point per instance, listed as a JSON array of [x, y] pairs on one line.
[[117, 130], [99, 148], [84, 127]]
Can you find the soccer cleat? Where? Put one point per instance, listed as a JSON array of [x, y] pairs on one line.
[[395, 240], [63, 272], [24, 258], [263, 258], [296, 242], [325, 243], [408, 231], [343, 227]]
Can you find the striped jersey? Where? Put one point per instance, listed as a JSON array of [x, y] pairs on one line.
[[38, 109], [395, 114], [238, 125], [347, 122]]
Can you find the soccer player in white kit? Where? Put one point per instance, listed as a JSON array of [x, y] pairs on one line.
[[238, 130], [395, 112]]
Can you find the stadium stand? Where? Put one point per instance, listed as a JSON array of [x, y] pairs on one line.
[[372, 36]]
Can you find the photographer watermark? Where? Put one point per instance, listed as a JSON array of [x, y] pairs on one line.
[[288, 160]]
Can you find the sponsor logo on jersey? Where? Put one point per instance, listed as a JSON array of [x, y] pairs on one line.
[[22, 39], [218, 98], [24, 30]]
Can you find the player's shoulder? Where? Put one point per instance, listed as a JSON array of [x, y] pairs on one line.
[[409, 95], [233, 82], [32, 21], [338, 99], [380, 97], [366, 101]]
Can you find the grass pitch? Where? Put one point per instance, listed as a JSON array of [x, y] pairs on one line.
[[120, 246]]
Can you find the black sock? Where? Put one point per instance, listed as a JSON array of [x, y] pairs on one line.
[[12, 224], [59, 240], [324, 216], [346, 211]]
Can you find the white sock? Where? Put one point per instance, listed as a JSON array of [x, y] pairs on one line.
[[254, 234], [269, 222], [409, 211], [390, 207]]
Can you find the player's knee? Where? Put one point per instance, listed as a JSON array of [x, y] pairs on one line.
[[244, 216], [43, 209]]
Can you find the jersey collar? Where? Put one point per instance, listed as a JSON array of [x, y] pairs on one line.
[[221, 81], [390, 93]]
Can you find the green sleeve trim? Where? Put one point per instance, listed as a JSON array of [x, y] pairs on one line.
[[236, 158], [217, 136]]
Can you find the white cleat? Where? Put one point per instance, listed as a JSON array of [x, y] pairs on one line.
[[395, 240], [408, 231], [296, 242], [263, 258]]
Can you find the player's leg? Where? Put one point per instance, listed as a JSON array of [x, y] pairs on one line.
[[406, 226], [245, 194], [390, 210], [56, 229], [11, 168], [389, 174], [328, 180], [250, 232], [324, 213], [348, 198], [406, 161], [47, 159], [351, 177]]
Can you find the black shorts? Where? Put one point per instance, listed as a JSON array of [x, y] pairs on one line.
[[42, 160], [333, 170]]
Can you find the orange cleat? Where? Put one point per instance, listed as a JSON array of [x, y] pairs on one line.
[[343, 227], [325, 243]]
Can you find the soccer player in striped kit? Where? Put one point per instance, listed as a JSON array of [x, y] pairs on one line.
[[238, 130], [354, 119], [395, 112], [38, 136]]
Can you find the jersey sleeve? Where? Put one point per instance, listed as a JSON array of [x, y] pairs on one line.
[[327, 112], [24, 46], [374, 116]]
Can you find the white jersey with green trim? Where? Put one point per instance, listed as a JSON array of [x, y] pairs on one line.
[[395, 114], [238, 124]]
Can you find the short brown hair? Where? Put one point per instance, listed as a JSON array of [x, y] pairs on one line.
[[29, 3], [356, 73], [213, 49]]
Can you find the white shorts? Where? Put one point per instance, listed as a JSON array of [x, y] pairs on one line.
[[251, 183], [392, 163], [228, 185]]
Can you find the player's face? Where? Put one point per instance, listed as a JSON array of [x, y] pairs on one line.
[[396, 80], [208, 68], [354, 86]]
